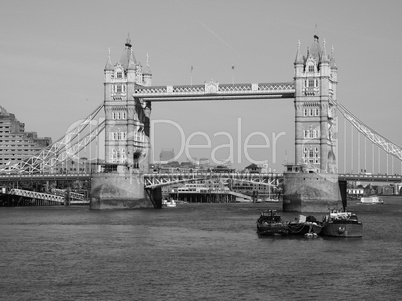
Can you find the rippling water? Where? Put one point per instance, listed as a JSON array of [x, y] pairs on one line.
[[193, 252]]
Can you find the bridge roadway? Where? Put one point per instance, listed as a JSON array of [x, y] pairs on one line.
[[161, 179]]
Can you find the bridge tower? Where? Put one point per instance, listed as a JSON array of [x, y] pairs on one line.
[[315, 128], [127, 141], [311, 185]]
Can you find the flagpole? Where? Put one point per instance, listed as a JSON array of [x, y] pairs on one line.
[[233, 74], [191, 76]]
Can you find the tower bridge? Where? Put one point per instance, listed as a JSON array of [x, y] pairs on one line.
[[310, 184]]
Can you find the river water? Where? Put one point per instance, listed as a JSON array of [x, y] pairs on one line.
[[193, 252]]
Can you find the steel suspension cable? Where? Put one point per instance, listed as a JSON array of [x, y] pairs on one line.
[[388, 146]]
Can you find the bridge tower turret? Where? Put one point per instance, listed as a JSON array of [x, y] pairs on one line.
[[315, 88]]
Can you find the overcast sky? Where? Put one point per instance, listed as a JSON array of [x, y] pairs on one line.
[[53, 54]]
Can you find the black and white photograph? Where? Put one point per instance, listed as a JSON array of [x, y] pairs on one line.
[[200, 150]]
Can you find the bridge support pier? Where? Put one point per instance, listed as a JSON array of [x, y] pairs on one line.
[[123, 190], [155, 195], [311, 192]]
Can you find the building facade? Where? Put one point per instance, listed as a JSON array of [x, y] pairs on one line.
[[15, 143], [127, 119], [315, 112]]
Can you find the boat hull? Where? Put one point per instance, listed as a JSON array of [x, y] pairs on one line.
[[342, 229], [273, 230]]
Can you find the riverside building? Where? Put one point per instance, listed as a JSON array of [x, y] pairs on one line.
[[15, 143]]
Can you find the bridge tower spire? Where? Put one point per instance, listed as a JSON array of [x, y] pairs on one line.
[[315, 87]]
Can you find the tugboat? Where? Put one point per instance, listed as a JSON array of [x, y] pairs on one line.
[[307, 226], [270, 224], [341, 224]]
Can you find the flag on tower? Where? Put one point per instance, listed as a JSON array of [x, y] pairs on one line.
[[232, 67], [192, 68]]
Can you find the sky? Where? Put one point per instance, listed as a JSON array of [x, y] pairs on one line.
[[53, 54]]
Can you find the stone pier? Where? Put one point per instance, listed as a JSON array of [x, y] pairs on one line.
[[311, 192], [120, 191]]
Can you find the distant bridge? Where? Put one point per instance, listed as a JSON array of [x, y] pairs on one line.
[[44, 177], [57, 197], [153, 180], [371, 178]]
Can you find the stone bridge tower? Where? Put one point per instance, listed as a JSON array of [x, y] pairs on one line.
[[315, 126], [127, 119], [311, 185], [127, 136]]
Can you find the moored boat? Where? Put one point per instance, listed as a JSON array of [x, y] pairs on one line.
[[371, 200], [342, 224], [168, 203], [270, 224], [305, 225]]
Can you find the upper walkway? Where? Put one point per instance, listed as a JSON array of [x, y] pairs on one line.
[[215, 91]]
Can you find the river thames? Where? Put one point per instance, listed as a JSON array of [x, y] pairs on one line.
[[193, 252]]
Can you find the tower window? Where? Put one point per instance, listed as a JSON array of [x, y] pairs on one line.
[[119, 74], [311, 82], [119, 89], [311, 68]]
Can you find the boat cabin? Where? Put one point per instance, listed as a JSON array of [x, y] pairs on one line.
[[270, 216]]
